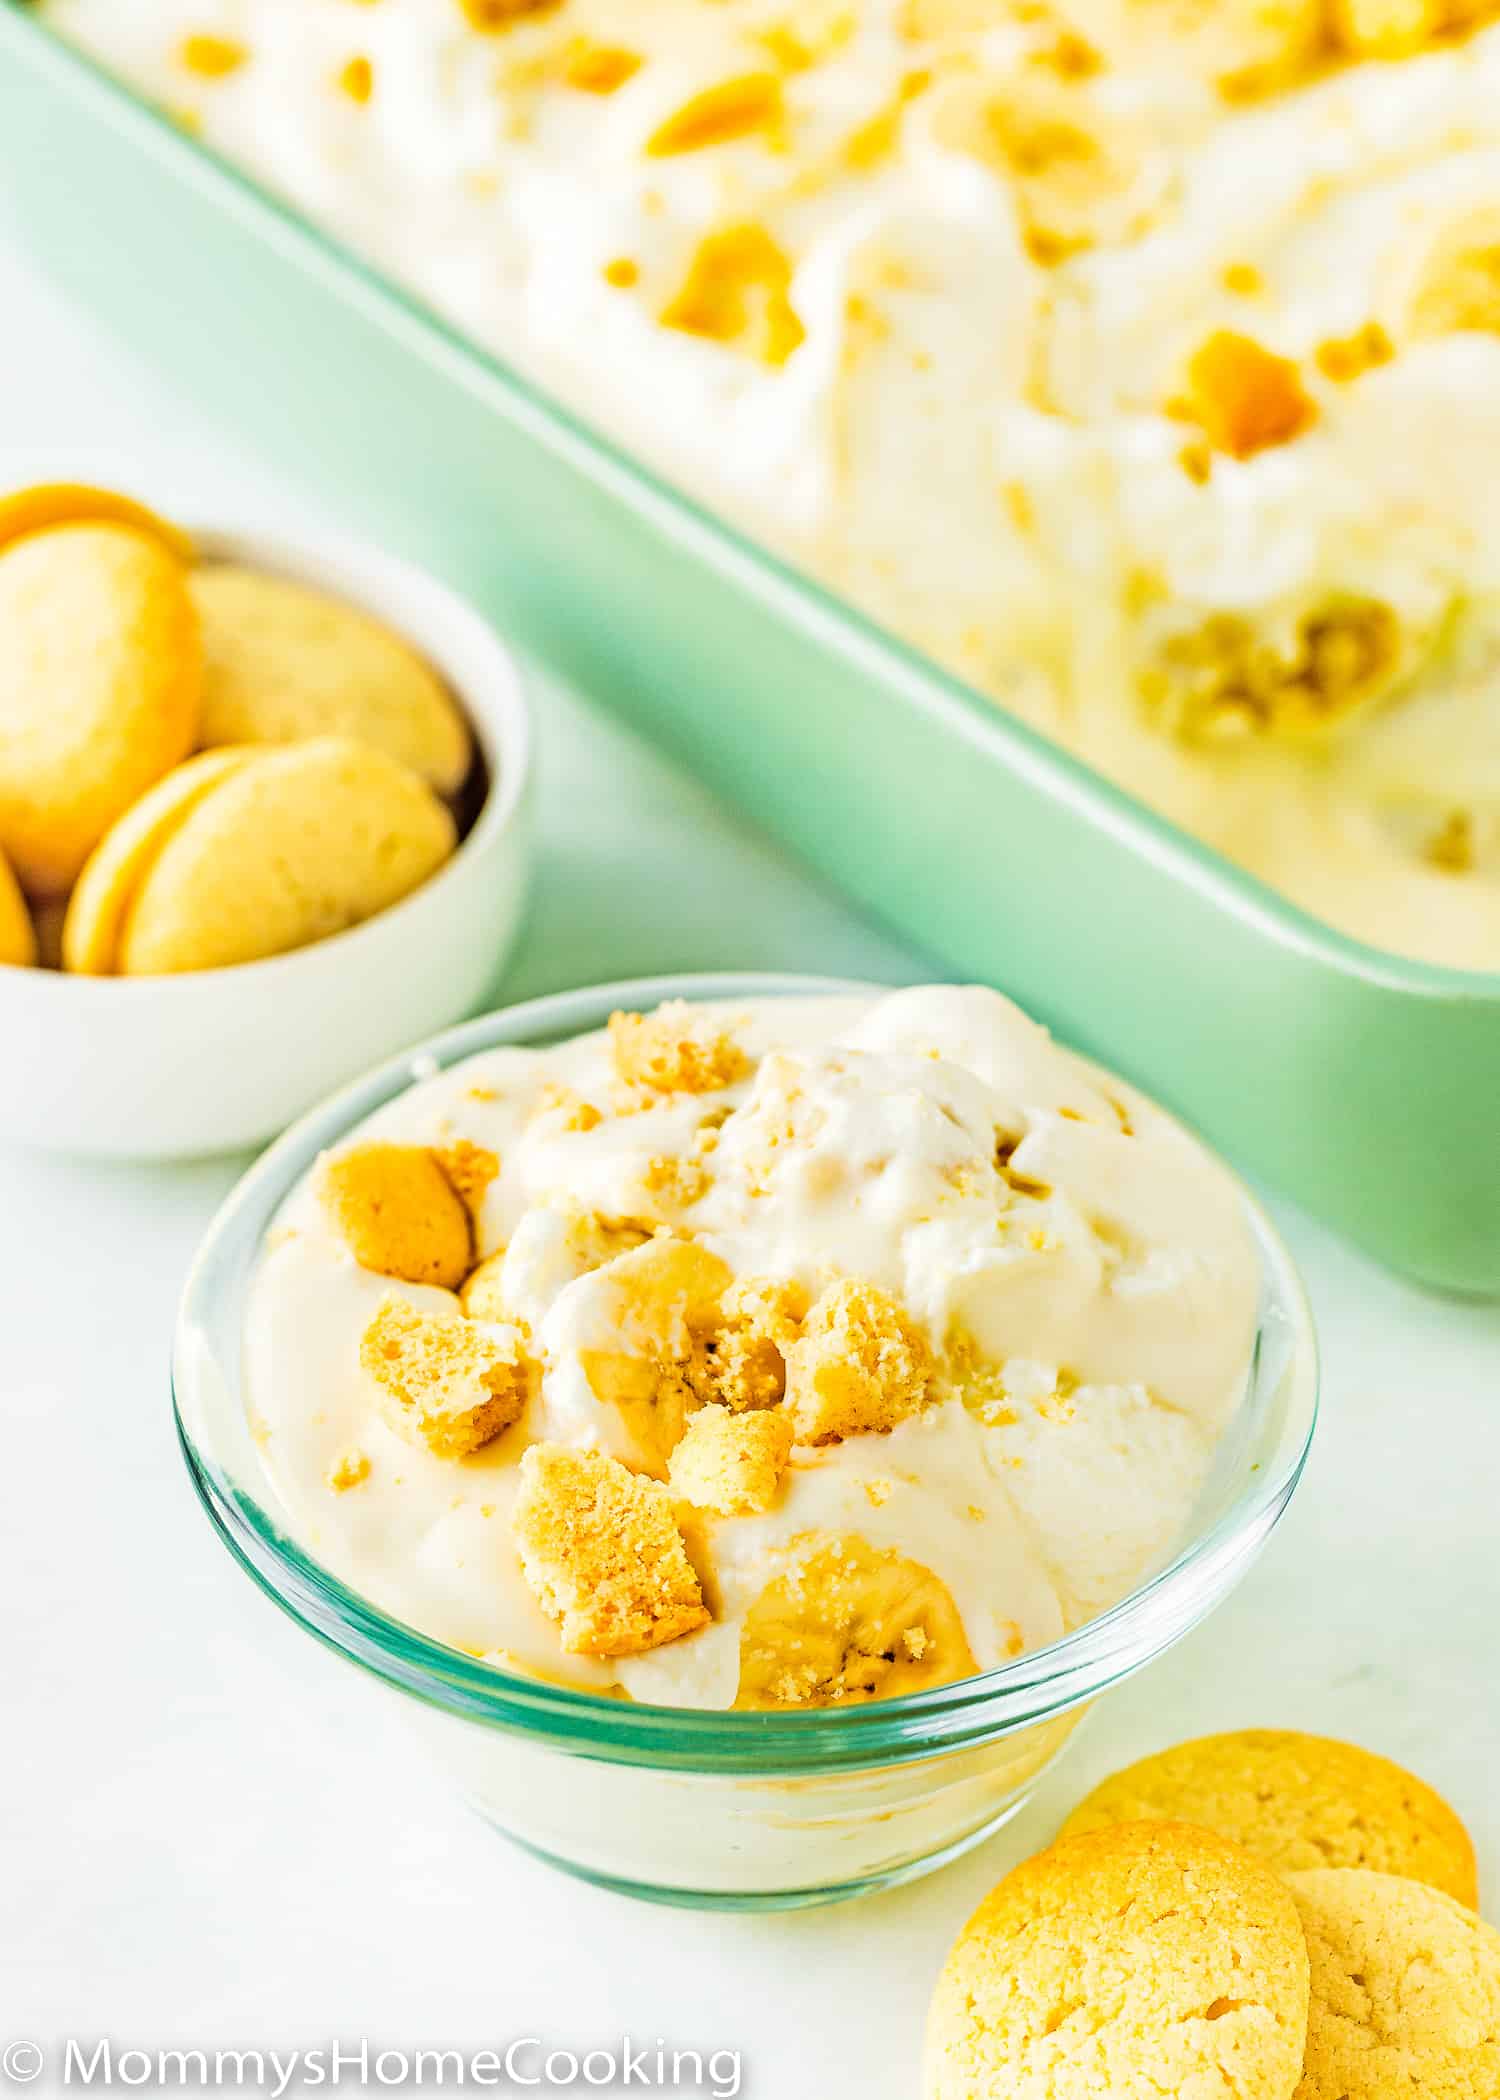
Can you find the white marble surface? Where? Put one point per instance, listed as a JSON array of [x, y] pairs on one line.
[[208, 1833]]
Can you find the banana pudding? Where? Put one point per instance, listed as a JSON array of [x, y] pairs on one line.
[[783, 1354], [1138, 361]]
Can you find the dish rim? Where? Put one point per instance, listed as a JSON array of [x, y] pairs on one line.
[[1035, 1687], [792, 594]]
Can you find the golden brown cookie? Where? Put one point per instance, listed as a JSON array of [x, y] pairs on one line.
[[281, 662], [603, 1553], [294, 845], [100, 678], [399, 1214], [17, 934], [858, 1367], [450, 1385], [1405, 1991], [732, 1463], [1296, 1801], [679, 1049], [1127, 1964], [52, 503], [118, 865]]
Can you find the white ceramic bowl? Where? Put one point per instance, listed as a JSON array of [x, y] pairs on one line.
[[214, 1060]]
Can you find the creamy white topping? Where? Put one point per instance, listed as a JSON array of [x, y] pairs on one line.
[[925, 324], [1081, 1270]]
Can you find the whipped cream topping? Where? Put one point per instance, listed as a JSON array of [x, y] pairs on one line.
[[1080, 1269], [912, 289]]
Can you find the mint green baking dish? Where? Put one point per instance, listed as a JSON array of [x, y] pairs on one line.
[[1364, 1086]]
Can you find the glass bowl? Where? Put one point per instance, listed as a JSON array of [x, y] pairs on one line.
[[717, 1810]]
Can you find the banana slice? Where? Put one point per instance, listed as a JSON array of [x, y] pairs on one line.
[[849, 1622], [661, 1302]]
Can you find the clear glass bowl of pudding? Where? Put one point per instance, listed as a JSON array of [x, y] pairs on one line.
[[782, 1804]]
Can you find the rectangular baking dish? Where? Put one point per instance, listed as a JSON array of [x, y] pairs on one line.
[[1364, 1086]]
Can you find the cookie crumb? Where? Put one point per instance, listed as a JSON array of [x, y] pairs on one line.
[[1343, 358], [603, 1553], [445, 1383], [347, 1471], [357, 80], [470, 1169], [399, 1214], [211, 57], [1244, 397], [490, 15], [1388, 28], [732, 1463], [675, 1050], [678, 1183], [568, 1110], [600, 69], [860, 1365]]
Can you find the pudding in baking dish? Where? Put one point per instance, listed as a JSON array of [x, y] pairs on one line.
[[1140, 359], [776, 1355]]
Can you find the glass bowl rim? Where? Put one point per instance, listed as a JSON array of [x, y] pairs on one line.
[[1034, 1687]]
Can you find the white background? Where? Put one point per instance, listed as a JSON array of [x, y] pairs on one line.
[[210, 1833]]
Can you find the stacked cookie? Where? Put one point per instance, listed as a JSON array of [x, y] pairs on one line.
[[1269, 1915], [324, 750]]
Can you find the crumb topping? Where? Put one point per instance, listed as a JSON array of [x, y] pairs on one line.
[[675, 1183], [1389, 28], [676, 1050], [470, 1169], [490, 15], [603, 1553], [566, 1109], [357, 79], [599, 69], [399, 1214], [731, 109], [1245, 397], [450, 1384], [1459, 287], [1343, 358], [732, 1463], [859, 1365], [738, 292], [212, 57], [348, 1470]]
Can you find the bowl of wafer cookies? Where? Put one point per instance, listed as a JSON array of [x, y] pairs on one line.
[[263, 820]]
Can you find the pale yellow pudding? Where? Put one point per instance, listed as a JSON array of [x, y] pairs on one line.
[[778, 1355]]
